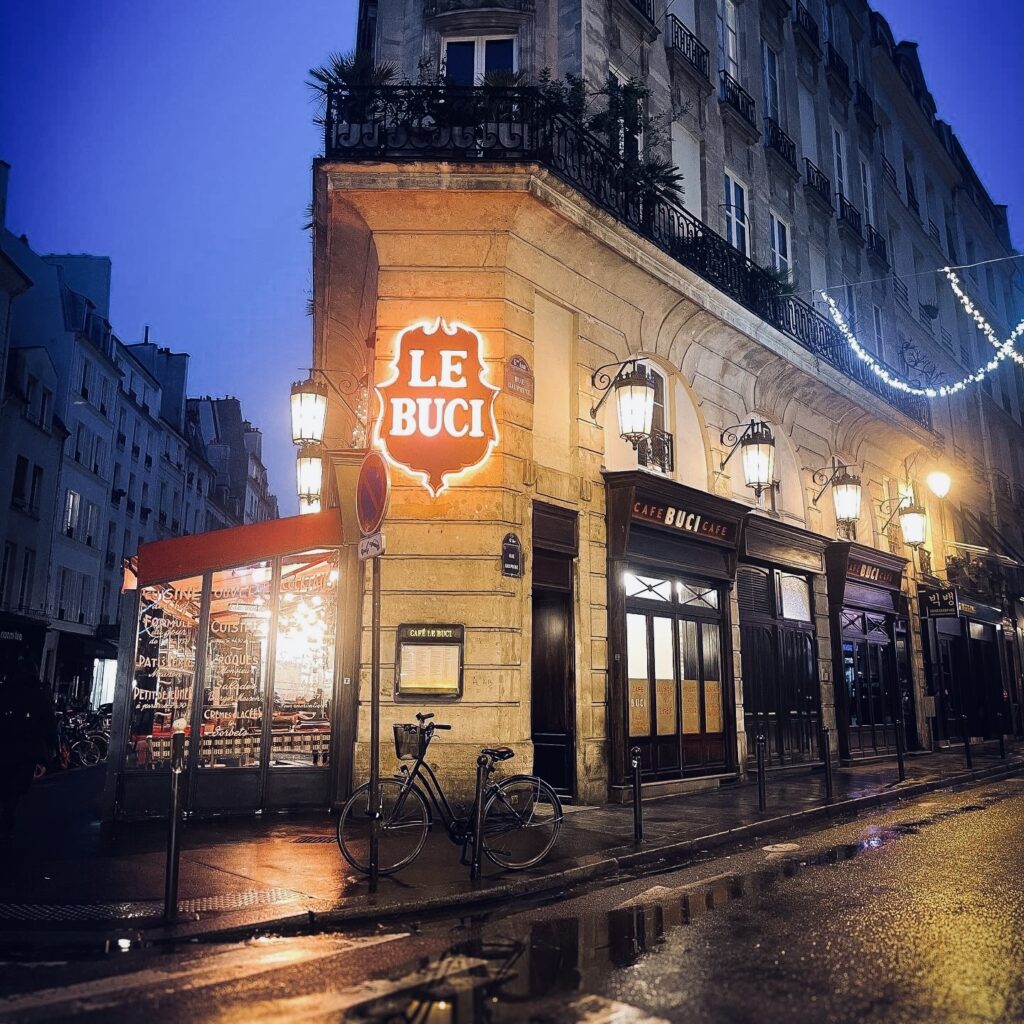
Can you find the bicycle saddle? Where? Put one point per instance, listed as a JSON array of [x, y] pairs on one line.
[[498, 753]]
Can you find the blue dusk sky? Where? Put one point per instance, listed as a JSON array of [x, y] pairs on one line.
[[176, 138]]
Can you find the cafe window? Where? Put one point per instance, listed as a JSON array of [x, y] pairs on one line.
[[648, 588], [165, 663], [236, 667], [307, 618]]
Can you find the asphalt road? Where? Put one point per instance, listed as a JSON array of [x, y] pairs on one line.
[[915, 914]]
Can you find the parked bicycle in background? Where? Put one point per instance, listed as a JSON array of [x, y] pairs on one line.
[[522, 815]]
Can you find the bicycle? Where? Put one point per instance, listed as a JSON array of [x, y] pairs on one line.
[[521, 819]]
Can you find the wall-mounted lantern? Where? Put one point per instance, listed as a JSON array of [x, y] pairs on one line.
[[913, 518], [757, 443], [846, 492], [309, 411], [309, 476], [634, 398]]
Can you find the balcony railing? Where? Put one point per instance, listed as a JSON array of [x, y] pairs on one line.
[[776, 139], [645, 7], [864, 103], [489, 124], [738, 98], [933, 233], [817, 181], [806, 23], [681, 40], [657, 452], [924, 316], [876, 246], [836, 65], [899, 290], [849, 215]]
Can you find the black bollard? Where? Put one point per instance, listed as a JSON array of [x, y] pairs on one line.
[[762, 782], [901, 761], [174, 824], [1002, 736], [482, 765], [967, 743], [826, 757], [638, 806]]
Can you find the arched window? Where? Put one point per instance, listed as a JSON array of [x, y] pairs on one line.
[[658, 453]]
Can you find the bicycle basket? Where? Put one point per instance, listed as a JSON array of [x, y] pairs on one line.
[[410, 743]]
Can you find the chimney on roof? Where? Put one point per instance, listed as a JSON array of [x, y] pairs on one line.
[[145, 335]]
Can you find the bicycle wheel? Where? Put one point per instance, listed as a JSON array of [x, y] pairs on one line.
[[522, 819], [403, 827], [86, 753]]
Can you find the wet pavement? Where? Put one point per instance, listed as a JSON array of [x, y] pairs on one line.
[[915, 913]]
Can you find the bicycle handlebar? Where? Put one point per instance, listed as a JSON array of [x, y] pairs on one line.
[[438, 725], [423, 718]]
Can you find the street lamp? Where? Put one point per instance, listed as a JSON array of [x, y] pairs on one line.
[[758, 446], [938, 483], [846, 492], [309, 412], [309, 476], [913, 524], [634, 398]]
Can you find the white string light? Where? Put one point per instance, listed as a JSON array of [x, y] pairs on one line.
[[983, 325], [1003, 349]]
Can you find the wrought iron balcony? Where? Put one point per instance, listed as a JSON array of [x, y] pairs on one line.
[[682, 41], [849, 215], [658, 452], [889, 174], [645, 7], [807, 25], [933, 233], [864, 103], [817, 182], [877, 247], [412, 122], [776, 139], [899, 290], [734, 95], [836, 66]]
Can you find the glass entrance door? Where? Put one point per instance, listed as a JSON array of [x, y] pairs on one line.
[[871, 698], [675, 704]]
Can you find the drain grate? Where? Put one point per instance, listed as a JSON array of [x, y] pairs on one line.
[[66, 912], [314, 839]]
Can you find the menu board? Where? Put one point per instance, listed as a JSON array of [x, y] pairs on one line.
[[429, 660], [639, 709]]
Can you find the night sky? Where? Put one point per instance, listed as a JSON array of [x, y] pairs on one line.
[[176, 138]]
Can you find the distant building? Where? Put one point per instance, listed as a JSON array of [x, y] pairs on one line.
[[235, 450]]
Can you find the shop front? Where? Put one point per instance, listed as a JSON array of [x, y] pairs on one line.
[[21, 635], [236, 638], [671, 562], [970, 665], [780, 590], [870, 649]]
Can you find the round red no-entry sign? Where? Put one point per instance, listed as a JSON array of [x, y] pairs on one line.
[[373, 491]]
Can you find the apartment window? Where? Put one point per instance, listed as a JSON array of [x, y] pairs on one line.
[[728, 38], [45, 404], [972, 259], [828, 29], [736, 225], [868, 190], [85, 602], [98, 453], [778, 231], [659, 421], [72, 507], [990, 284], [770, 81], [19, 492], [90, 523], [908, 178], [851, 307], [86, 378], [7, 572], [876, 314], [36, 493], [28, 570], [839, 160], [468, 58]]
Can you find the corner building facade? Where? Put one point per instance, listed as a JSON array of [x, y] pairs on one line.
[[662, 605]]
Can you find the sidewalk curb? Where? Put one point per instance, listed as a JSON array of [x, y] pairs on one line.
[[592, 868]]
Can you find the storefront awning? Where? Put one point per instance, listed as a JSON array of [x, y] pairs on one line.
[[191, 556]]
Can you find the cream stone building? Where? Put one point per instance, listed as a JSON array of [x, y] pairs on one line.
[[663, 603]]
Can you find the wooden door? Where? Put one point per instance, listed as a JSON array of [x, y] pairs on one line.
[[552, 689]]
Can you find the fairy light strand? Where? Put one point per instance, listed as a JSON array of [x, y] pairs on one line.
[[1003, 349], [983, 325]]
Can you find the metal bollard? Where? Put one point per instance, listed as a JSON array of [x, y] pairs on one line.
[[901, 761], [967, 743], [826, 756], [1002, 736], [638, 806], [482, 766], [762, 782], [174, 823]]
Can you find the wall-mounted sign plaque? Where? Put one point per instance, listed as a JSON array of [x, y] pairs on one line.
[[519, 378], [429, 660], [511, 556], [437, 409], [873, 574], [941, 604], [684, 521]]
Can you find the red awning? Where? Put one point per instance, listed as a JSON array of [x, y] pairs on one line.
[[181, 557]]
